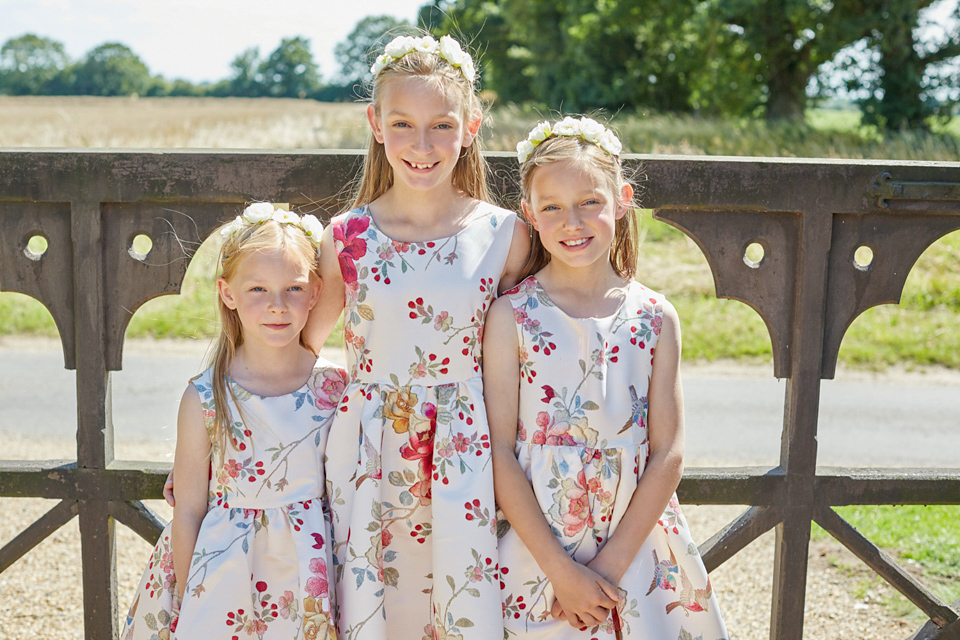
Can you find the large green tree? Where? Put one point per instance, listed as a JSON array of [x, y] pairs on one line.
[[791, 39], [29, 64], [357, 52], [111, 69], [290, 71], [914, 82]]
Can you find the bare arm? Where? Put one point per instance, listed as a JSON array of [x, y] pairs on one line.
[[329, 306], [665, 466], [192, 467], [516, 257], [584, 596]]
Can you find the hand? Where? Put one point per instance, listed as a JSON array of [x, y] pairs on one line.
[[584, 598], [168, 490]]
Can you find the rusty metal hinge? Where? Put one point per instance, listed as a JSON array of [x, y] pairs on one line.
[[885, 189]]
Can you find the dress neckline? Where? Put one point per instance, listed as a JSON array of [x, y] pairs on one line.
[[376, 227], [616, 312], [305, 385]]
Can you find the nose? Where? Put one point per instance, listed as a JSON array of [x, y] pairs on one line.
[[278, 303], [422, 142], [573, 219]]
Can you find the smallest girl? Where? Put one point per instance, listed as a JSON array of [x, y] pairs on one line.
[[587, 423], [248, 550]]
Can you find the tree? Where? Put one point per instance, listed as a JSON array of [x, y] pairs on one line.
[[357, 53], [911, 73], [112, 69], [246, 80], [290, 71], [791, 39], [579, 55], [29, 64]]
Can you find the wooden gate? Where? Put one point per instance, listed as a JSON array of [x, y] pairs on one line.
[[809, 216]]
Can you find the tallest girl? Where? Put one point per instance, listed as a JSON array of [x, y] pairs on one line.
[[417, 263]]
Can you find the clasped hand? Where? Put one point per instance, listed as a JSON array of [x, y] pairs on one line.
[[584, 598]]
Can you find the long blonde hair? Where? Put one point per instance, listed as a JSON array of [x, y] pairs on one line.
[[470, 172], [625, 249], [266, 236]]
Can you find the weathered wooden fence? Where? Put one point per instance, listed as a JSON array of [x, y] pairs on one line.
[[809, 216]]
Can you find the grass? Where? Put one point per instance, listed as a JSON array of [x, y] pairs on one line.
[[925, 539]]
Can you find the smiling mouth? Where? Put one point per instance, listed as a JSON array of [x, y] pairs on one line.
[[422, 165], [579, 242]]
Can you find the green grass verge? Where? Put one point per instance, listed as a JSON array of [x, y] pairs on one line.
[[925, 538]]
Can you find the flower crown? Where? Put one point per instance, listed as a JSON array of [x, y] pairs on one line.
[[260, 212], [448, 49], [586, 128]]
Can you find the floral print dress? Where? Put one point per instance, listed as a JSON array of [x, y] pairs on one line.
[[582, 441], [260, 565], [409, 464]]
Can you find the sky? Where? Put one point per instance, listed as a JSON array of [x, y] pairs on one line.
[[195, 39]]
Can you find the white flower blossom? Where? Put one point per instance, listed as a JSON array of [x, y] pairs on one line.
[[524, 149], [450, 50], [610, 143], [258, 212], [591, 130], [285, 217], [399, 47], [567, 127], [426, 44], [312, 227], [540, 132], [235, 225]]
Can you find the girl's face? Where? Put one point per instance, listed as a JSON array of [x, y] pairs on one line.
[[422, 129], [272, 294], [575, 212]]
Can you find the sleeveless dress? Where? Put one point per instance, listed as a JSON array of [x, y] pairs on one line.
[[409, 464], [582, 441], [260, 565]]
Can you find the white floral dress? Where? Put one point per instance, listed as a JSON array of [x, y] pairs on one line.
[[260, 565], [409, 465], [582, 441]]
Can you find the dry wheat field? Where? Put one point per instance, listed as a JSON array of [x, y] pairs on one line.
[[41, 594]]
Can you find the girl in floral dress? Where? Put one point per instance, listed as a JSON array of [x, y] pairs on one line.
[[416, 263], [248, 550], [581, 378]]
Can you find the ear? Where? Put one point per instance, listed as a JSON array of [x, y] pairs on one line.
[[374, 121], [223, 288], [473, 128], [626, 197], [315, 295], [528, 214]]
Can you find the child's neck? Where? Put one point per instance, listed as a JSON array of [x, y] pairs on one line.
[[267, 371], [413, 216], [583, 293]]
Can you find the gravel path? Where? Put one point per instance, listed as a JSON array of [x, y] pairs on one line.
[[41, 594]]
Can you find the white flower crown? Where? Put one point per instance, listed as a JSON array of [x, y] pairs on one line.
[[448, 49], [586, 128], [260, 212]]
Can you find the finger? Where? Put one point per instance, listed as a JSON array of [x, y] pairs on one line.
[[557, 611], [610, 593], [168, 492]]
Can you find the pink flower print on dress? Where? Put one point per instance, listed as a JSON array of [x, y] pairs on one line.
[[329, 385], [348, 235], [571, 507], [420, 449]]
